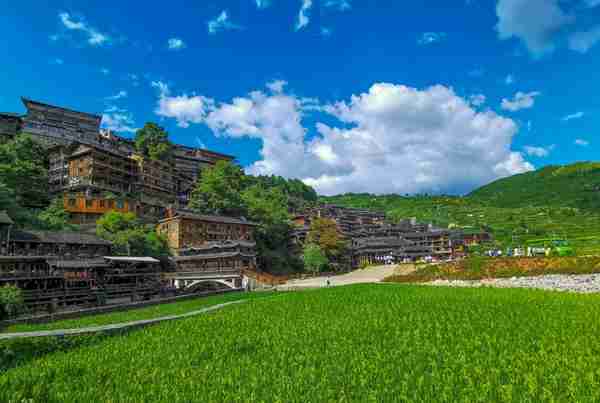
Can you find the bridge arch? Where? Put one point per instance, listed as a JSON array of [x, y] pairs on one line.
[[192, 285]]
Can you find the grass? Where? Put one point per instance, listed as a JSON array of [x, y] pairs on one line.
[[358, 343], [151, 312]]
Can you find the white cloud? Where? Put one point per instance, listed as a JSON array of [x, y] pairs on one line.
[[582, 142], [185, 109], [391, 139], [576, 115], [114, 108], [263, 3], [521, 101], [416, 140], [119, 95], [326, 32], [277, 86], [176, 44], [535, 22], [134, 79], [304, 14], [341, 5], [94, 37], [510, 79], [221, 23], [538, 151], [477, 72], [583, 41], [429, 38], [477, 99], [118, 120]]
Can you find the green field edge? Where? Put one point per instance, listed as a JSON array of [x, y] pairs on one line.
[[152, 312]]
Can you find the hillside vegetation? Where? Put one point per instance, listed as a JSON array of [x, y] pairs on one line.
[[556, 201], [576, 185], [378, 343]]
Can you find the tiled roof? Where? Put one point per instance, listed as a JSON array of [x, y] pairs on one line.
[[140, 259], [5, 219], [67, 237], [211, 218], [27, 101], [10, 114], [206, 256]]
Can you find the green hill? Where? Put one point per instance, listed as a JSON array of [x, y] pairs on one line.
[[561, 201], [576, 185]]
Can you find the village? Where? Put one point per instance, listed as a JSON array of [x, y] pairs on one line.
[[94, 171]]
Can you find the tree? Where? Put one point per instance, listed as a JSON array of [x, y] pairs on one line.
[[129, 236], [219, 190], [324, 232], [269, 206], [313, 257], [24, 170], [153, 141], [224, 189], [7, 200], [54, 217], [11, 301]]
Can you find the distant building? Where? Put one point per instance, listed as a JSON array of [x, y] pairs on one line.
[[59, 268], [189, 163], [371, 239], [10, 125], [5, 228], [97, 171], [156, 187], [208, 247], [58, 244], [57, 125], [185, 229], [225, 261]]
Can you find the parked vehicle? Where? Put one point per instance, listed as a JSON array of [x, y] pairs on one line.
[[550, 247]]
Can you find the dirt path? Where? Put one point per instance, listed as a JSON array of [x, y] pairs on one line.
[[113, 327], [373, 274]]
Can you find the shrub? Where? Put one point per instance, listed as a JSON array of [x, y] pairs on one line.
[[11, 301]]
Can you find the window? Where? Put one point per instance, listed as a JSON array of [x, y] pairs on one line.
[[102, 203], [89, 203], [72, 202], [120, 204], [111, 204]]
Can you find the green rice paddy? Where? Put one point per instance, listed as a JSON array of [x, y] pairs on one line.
[[375, 343]]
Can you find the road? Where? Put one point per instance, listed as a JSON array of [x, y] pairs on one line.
[[374, 274]]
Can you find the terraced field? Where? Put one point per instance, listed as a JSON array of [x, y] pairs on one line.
[[356, 343]]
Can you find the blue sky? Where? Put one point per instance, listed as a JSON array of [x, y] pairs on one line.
[[348, 95]]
